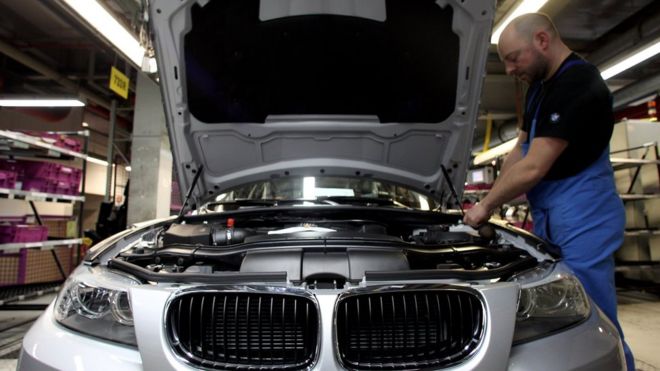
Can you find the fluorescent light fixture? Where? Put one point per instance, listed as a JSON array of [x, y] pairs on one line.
[[309, 188], [99, 18], [638, 56], [40, 102], [97, 161], [149, 65], [423, 204], [526, 6], [502, 149]]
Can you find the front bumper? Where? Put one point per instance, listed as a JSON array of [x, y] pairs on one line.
[[591, 345]]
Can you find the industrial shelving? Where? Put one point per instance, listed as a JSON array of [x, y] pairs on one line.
[[636, 161], [16, 145], [38, 196]]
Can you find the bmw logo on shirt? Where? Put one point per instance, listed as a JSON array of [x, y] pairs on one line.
[[554, 118]]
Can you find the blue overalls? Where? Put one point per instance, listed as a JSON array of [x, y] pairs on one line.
[[584, 216]]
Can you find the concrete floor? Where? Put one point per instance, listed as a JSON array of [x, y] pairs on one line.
[[639, 315], [14, 324]]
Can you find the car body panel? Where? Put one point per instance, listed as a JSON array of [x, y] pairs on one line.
[[234, 153], [591, 345]]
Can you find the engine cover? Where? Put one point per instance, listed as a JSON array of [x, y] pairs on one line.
[[305, 265]]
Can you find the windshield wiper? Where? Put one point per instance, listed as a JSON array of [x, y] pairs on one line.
[[325, 200], [350, 200], [259, 202]]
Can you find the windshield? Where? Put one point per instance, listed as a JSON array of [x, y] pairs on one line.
[[323, 190]]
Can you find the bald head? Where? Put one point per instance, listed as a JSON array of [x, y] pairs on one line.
[[527, 25], [531, 48]]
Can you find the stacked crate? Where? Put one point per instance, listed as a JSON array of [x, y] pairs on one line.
[[7, 179], [48, 177], [58, 140], [32, 266], [10, 233]]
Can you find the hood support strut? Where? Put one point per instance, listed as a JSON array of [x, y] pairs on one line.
[[189, 193]]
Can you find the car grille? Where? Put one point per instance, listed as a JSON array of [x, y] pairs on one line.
[[408, 329], [244, 330]]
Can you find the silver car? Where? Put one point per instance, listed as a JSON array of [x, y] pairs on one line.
[[323, 143]]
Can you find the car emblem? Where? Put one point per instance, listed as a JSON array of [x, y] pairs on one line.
[[554, 118]]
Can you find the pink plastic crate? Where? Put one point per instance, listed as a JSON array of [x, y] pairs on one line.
[[70, 144], [13, 166], [40, 185], [7, 179], [23, 233], [69, 174], [66, 188], [41, 170], [57, 140]]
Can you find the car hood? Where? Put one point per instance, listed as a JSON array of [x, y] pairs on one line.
[[255, 90]]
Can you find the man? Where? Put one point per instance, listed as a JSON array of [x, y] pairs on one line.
[[561, 159]]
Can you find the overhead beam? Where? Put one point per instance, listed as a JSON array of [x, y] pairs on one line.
[[638, 30], [19, 56], [637, 90]]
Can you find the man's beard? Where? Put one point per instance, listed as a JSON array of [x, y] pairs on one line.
[[539, 69]]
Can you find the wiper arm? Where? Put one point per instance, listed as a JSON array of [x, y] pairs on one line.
[[360, 200], [245, 202], [325, 200], [259, 202]]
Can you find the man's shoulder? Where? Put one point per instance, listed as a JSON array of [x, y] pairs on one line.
[[581, 72]]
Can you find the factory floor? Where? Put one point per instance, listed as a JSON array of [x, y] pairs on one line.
[[639, 314]]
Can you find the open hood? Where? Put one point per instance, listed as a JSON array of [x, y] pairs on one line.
[[256, 90]]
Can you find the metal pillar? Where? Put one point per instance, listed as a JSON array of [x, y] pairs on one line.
[[151, 158], [111, 140]]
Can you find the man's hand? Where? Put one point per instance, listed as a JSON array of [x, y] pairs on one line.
[[477, 215]]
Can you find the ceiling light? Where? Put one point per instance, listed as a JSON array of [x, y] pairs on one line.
[[526, 6], [85, 125], [101, 20], [495, 152], [40, 102], [97, 161], [128, 168], [149, 65], [635, 57], [309, 188]]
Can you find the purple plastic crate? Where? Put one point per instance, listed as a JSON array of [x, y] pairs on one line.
[[40, 185], [69, 143], [13, 166], [69, 174], [66, 188], [40, 170], [23, 233], [7, 179]]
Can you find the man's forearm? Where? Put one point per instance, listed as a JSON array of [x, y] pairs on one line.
[[511, 159]]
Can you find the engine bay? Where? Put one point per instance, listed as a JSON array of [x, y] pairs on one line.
[[325, 250]]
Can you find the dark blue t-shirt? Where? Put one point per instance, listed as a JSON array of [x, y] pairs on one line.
[[576, 106]]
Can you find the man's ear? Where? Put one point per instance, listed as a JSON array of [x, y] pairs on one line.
[[542, 39]]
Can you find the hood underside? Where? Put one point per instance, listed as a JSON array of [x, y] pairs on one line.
[[256, 90]]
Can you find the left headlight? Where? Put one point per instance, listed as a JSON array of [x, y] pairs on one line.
[[97, 307], [550, 307]]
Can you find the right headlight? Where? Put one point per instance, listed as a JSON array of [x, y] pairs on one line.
[[550, 307], [97, 304]]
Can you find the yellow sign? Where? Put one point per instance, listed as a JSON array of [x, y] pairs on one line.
[[119, 83]]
